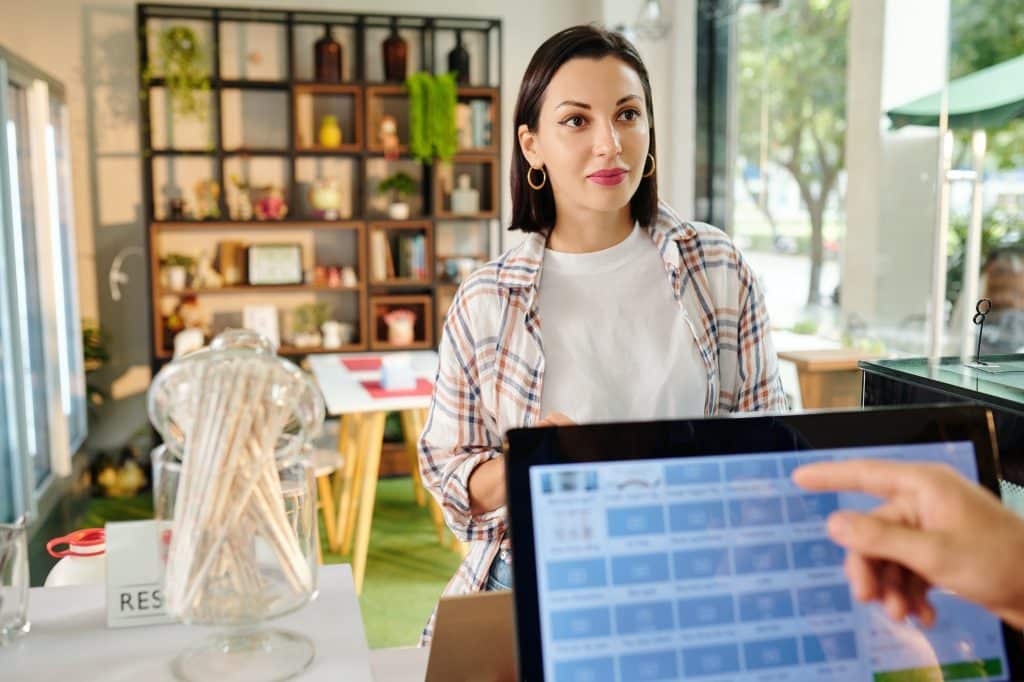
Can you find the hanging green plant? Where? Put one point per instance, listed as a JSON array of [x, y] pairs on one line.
[[443, 98], [418, 86], [432, 100], [181, 60]]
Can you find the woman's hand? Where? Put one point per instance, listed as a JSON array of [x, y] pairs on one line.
[[933, 528], [555, 419], [487, 482]]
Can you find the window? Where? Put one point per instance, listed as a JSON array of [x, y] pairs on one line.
[[42, 387]]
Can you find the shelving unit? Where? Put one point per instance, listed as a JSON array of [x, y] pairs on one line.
[[264, 110]]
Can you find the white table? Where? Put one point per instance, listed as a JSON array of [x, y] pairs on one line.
[[344, 394], [360, 438], [69, 640]]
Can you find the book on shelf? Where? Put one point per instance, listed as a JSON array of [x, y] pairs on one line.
[[473, 123], [382, 265], [412, 262], [480, 110], [464, 125]]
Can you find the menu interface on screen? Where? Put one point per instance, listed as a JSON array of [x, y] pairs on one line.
[[719, 568]]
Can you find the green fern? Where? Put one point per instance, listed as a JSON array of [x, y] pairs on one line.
[[444, 96], [418, 85], [432, 100]]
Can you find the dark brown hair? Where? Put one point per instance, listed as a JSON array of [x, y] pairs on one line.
[[534, 210]]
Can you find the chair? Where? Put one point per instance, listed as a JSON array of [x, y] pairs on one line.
[[325, 463]]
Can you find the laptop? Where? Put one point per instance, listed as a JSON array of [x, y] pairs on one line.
[[682, 550]]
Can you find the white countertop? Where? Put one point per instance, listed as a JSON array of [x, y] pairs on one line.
[[70, 640]]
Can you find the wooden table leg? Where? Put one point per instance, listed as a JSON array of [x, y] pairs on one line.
[[323, 485], [374, 430], [411, 428], [361, 436], [345, 476]]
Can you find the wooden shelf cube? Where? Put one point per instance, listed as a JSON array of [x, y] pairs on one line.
[[483, 173], [477, 120], [314, 101], [387, 100], [396, 257], [422, 308]]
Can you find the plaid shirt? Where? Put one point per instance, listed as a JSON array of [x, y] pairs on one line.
[[491, 369]]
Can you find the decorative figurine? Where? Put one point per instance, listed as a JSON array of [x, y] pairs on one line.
[[243, 207], [330, 132], [389, 137], [206, 277], [176, 209], [271, 204], [325, 198], [465, 199], [207, 200]]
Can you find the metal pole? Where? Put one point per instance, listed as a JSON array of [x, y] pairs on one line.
[[937, 305], [972, 259]]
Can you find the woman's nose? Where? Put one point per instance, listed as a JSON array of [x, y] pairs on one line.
[[607, 141]]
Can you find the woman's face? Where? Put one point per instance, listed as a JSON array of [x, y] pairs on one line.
[[592, 135]]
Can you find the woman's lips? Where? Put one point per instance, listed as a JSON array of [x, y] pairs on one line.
[[608, 177]]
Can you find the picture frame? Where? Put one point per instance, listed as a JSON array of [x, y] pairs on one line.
[[264, 320], [274, 264]]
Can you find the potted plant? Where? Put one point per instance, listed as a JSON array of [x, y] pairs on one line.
[[95, 355], [400, 186], [176, 267], [306, 321], [401, 326], [182, 61]]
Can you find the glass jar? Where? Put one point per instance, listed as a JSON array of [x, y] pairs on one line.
[[13, 581], [235, 481]]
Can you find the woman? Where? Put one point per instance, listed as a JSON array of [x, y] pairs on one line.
[[638, 315]]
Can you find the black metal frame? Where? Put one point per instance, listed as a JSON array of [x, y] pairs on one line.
[[713, 50], [427, 26]]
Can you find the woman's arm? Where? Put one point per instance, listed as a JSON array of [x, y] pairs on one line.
[[487, 482], [759, 387], [455, 441]]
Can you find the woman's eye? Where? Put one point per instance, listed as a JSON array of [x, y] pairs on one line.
[[630, 115], [573, 121]]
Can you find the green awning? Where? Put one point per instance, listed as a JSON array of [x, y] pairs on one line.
[[984, 99]]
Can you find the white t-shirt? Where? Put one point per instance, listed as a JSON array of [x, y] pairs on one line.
[[617, 345]]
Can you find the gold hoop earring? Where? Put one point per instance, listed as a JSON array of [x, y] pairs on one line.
[[653, 166], [529, 178]]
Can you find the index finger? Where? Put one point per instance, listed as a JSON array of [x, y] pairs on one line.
[[871, 476]]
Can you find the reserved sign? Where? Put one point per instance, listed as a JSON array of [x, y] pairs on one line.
[[136, 552]]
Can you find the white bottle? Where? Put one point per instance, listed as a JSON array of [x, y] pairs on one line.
[[83, 562], [465, 199]]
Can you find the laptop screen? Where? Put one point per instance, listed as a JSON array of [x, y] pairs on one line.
[[719, 568]]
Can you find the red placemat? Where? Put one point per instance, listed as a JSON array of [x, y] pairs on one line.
[[376, 391], [361, 364]]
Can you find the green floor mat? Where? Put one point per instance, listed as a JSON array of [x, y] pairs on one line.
[[405, 571]]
